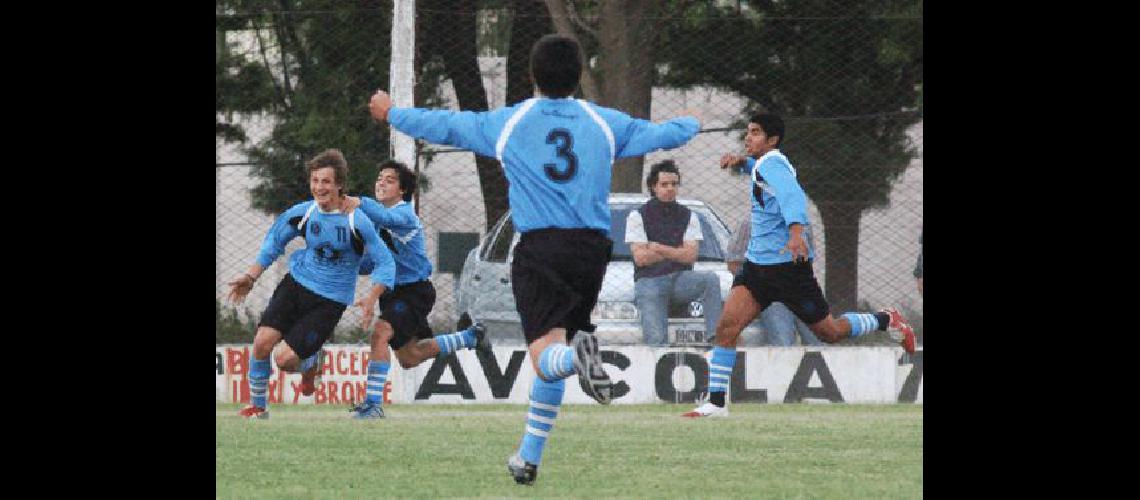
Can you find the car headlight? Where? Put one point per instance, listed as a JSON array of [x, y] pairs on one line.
[[614, 310]]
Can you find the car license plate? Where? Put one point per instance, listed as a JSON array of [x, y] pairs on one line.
[[689, 336]]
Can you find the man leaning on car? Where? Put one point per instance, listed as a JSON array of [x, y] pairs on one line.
[[664, 236]]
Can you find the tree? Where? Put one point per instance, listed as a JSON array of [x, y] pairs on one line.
[[241, 86], [322, 59], [461, 64], [624, 38], [846, 76]]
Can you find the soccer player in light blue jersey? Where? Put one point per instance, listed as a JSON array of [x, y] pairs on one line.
[[779, 265], [557, 153], [310, 299], [404, 310]]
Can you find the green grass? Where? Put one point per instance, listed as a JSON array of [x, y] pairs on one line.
[[432, 451]]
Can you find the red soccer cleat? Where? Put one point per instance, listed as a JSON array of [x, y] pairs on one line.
[[252, 411], [900, 331], [308, 383]]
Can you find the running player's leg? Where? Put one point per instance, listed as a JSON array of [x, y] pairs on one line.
[[556, 277], [379, 362], [740, 309], [260, 367], [304, 340], [853, 324], [413, 341], [278, 317]]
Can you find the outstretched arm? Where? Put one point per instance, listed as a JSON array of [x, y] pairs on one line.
[[644, 136], [463, 129], [383, 275], [243, 283], [272, 246]]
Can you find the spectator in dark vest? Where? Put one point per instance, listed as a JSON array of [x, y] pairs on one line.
[[664, 236]]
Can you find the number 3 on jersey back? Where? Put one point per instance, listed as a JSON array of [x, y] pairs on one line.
[[565, 145]]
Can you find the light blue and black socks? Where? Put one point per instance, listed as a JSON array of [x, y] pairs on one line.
[[720, 372], [259, 370], [377, 376], [545, 401], [865, 322], [451, 342], [555, 363]]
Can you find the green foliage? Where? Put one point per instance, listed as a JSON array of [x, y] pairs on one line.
[[233, 327], [846, 77], [241, 85], [325, 60]]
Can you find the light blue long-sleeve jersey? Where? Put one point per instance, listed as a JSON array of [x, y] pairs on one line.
[[328, 263], [557, 154], [406, 234], [778, 201]]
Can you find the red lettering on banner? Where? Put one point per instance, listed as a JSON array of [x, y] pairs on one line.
[[271, 393], [387, 391], [319, 396], [244, 389], [352, 363], [327, 369], [362, 390], [296, 391], [240, 392], [237, 361], [332, 392], [348, 393], [365, 356], [340, 363]]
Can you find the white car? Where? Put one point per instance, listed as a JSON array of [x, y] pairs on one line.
[[484, 288]]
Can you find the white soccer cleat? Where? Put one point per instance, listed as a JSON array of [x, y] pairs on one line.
[[707, 410]]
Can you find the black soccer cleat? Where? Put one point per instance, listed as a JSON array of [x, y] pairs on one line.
[[523, 472], [482, 343], [592, 376]]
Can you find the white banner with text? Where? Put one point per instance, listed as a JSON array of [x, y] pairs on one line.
[[641, 375]]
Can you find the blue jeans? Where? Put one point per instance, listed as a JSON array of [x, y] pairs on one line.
[[654, 295], [780, 325]]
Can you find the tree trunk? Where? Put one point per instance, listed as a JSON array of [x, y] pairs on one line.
[[530, 21], [626, 72], [841, 234], [560, 19], [462, 65]]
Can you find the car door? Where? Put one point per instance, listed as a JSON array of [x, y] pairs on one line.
[[467, 286], [492, 299]]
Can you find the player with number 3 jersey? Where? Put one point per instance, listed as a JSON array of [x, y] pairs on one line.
[[558, 154]]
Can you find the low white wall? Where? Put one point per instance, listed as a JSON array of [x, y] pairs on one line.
[[641, 375]]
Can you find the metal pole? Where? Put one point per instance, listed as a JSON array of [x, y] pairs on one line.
[[402, 74]]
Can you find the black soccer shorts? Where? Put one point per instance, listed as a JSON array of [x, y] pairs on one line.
[[793, 284], [306, 320], [556, 276], [406, 308]]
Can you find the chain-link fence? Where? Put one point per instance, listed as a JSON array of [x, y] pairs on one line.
[[846, 76]]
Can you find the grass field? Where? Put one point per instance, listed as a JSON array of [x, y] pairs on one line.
[[432, 451]]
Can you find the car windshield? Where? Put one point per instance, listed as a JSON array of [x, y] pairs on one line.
[[708, 251]]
